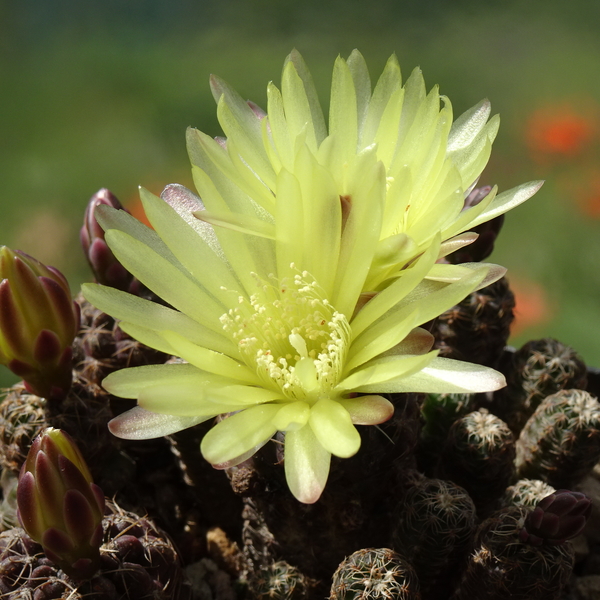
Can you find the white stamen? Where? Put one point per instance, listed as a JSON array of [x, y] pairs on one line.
[[291, 336]]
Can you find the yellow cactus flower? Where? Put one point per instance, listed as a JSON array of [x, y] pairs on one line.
[[296, 287], [430, 162]]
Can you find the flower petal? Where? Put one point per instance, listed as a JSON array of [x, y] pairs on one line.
[[190, 399], [368, 410], [306, 465], [140, 424], [381, 370], [153, 316], [332, 426], [128, 383], [442, 375], [239, 433]]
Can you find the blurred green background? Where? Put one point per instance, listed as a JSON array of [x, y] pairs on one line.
[[99, 94]]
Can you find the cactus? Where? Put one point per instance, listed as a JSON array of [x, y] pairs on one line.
[[439, 412], [245, 536], [22, 418], [279, 581], [479, 455], [434, 523], [374, 573], [103, 347], [84, 411], [503, 566], [560, 443], [137, 561], [540, 368], [477, 328], [526, 492]]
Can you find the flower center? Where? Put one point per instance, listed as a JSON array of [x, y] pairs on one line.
[[291, 335]]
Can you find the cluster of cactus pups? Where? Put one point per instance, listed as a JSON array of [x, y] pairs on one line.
[[456, 497]]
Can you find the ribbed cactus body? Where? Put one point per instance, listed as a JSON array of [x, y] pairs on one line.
[[22, 418], [372, 574], [561, 441], [479, 455], [279, 581], [501, 566], [434, 524], [439, 412], [540, 368], [477, 329]]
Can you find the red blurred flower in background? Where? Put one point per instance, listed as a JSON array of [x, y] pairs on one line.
[[560, 132]]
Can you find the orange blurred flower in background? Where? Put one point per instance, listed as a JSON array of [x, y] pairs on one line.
[[532, 305], [589, 197], [562, 131], [582, 189]]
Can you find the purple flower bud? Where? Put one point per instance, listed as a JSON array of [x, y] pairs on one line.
[[556, 518], [106, 268], [38, 322], [59, 505]]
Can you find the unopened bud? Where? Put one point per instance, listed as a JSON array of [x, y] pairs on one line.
[[556, 518], [106, 268], [59, 505], [38, 322]]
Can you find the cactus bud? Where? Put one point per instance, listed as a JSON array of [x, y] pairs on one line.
[[59, 505], [106, 268], [38, 322], [557, 518]]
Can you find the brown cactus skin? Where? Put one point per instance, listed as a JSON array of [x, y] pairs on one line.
[[22, 418], [501, 566]]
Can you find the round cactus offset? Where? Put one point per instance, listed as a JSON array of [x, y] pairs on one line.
[[373, 574], [561, 441], [503, 566]]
